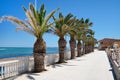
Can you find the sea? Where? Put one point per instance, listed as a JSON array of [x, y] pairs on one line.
[[9, 52]]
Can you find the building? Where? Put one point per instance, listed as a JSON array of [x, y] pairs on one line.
[[107, 42]]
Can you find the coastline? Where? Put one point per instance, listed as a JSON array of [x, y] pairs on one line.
[[67, 56], [12, 52]]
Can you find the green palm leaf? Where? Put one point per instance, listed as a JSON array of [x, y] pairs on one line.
[[62, 24], [36, 22]]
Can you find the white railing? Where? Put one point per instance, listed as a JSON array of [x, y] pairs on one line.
[[7, 69], [15, 66], [114, 57]]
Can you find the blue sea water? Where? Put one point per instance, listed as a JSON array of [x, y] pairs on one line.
[[8, 52]]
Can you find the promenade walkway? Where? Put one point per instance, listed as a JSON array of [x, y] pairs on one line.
[[93, 66]]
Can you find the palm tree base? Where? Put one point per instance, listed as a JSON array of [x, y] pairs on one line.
[[59, 62], [72, 58], [40, 71], [79, 56]]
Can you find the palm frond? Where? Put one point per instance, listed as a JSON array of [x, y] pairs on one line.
[[36, 22], [68, 18], [26, 30], [14, 20], [35, 13], [61, 16], [90, 24], [48, 17], [87, 21], [32, 21], [24, 8], [23, 26], [61, 27]]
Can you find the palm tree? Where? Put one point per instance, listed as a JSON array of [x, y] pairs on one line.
[[79, 36], [79, 45], [93, 40], [72, 34], [85, 24], [89, 44], [36, 24], [89, 40], [61, 29]]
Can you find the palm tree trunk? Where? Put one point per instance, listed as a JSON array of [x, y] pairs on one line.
[[83, 50], [86, 50], [72, 47], [89, 48], [92, 47], [78, 49], [39, 55], [62, 48]]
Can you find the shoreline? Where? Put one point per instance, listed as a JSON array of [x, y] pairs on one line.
[[16, 58], [14, 52]]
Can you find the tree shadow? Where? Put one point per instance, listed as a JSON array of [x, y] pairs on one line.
[[56, 65], [35, 74], [80, 59], [61, 65], [68, 65], [30, 77]]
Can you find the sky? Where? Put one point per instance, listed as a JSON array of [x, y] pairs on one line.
[[105, 15]]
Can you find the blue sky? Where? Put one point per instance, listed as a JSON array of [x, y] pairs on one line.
[[105, 14]]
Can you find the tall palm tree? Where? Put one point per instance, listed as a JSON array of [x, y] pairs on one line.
[[93, 40], [79, 36], [89, 44], [36, 24], [85, 24], [89, 40], [72, 34], [61, 29], [79, 44]]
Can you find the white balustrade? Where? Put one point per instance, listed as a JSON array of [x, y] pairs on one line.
[[15, 66], [113, 55]]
